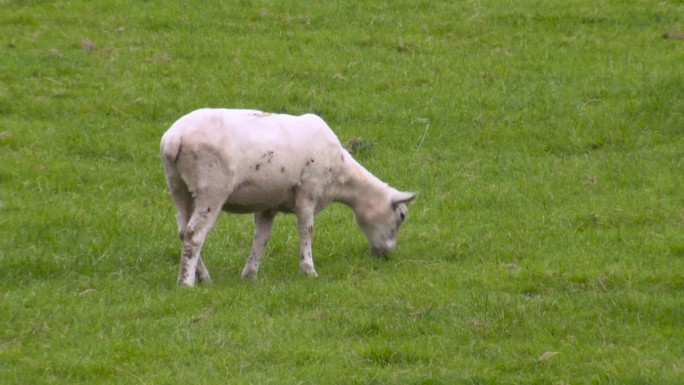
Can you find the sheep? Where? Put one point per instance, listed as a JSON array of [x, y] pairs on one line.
[[249, 161]]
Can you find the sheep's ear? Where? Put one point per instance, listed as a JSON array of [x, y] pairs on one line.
[[398, 197]]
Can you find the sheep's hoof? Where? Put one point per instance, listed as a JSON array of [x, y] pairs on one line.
[[249, 272], [186, 280], [204, 278], [249, 275], [308, 270]]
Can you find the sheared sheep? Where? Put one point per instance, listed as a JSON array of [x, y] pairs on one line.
[[247, 161]]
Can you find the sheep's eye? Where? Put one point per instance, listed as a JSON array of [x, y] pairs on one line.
[[402, 216]]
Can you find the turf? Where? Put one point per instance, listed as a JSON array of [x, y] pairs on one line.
[[546, 139]]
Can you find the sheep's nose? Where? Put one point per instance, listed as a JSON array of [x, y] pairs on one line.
[[379, 252]]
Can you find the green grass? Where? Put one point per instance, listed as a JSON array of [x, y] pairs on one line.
[[546, 139]]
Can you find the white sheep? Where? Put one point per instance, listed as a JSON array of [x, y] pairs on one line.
[[247, 161]]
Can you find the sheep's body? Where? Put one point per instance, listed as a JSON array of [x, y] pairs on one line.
[[247, 161]]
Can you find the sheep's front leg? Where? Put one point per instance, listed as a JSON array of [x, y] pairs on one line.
[[263, 224], [305, 227]]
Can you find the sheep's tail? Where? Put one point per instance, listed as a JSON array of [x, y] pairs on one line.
[[171, 147]]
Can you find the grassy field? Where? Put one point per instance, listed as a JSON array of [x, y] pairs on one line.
[[546, 139]]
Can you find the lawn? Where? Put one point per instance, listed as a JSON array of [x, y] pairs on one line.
[[546, 140]]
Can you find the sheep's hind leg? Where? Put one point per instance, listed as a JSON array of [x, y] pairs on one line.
[[191, 267], [263, 224], [184, 206], [202, 274]]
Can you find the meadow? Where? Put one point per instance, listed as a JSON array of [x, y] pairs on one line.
[[546, 140]]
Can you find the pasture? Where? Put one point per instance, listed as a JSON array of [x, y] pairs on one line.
[[546, 140]]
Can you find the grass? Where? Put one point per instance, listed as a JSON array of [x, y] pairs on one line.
[[546, 139]]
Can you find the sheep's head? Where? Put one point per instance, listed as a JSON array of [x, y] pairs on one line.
[[382, 220]]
